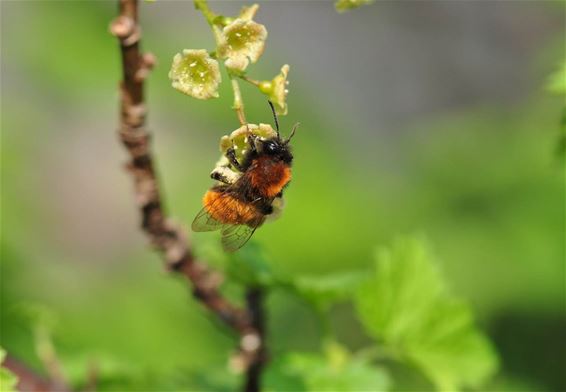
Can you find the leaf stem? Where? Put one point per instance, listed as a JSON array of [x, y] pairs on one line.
[[202, 6], [250, 80]]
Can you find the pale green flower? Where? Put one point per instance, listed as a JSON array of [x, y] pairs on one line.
[[237, 138], [276, 90], [241, 42], [195, 73], [345, 5]]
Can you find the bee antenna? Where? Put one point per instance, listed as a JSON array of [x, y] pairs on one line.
[[275, 118], [292, 132]]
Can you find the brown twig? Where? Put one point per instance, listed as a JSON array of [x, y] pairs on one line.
[[254, 299], [168, 238]]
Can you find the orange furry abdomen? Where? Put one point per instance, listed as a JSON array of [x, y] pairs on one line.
[[227, 209], [268, 177]]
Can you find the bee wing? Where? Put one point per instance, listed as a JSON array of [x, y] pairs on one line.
[[205, 222], [235, 236]]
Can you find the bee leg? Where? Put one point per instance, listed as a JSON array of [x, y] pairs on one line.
[[265, 208], [219, 177], [251, 142], [231, 155]]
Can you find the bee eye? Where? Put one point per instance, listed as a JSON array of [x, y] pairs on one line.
[[271, 147]]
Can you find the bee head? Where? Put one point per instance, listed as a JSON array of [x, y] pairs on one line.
[[277, 149]]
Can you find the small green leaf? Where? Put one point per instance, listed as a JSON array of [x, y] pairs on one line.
[[337, 370], [557, 81], [406, 307], [8, 380], [324, 291], [346, 5], [561, 144]]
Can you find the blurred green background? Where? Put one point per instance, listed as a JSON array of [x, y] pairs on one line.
[[427, 117]]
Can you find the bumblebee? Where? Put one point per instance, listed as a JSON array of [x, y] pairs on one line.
[[240, 204]]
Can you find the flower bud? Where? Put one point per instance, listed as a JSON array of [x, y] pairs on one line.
[[276, 90]]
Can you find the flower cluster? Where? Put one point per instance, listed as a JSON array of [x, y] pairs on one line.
[[240, 41]]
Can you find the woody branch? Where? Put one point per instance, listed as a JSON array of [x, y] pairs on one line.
[[168, 238]]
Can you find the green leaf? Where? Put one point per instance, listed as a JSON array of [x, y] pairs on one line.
[[323, 291], [407, 307], [561, 143], [337, 370], [346, 5], [557, 81], [8, 380]]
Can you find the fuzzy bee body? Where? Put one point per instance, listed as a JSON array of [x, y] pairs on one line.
[[237, 209]]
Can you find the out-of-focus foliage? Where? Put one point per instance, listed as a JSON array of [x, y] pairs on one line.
[[406, 307], [477, 177], [324, 291], [346, 5], [334, 370], [557, 85], [251, 267], [557, 81], [8, 380]]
